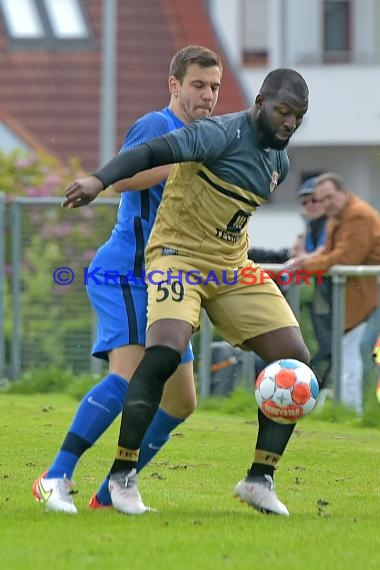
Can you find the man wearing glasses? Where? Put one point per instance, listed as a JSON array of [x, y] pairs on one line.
[[319, 306]]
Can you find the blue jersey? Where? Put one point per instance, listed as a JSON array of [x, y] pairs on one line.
[[124, 251], [120, 305]]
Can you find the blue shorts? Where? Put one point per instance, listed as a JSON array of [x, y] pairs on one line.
[[121, 309]]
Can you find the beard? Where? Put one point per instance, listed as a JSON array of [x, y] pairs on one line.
[[266, 135]]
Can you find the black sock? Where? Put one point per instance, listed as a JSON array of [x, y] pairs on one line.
[[141, 402], [272, 440]]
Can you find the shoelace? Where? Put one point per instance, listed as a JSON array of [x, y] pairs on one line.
[[270, 481], [127, 482], [132, 487]]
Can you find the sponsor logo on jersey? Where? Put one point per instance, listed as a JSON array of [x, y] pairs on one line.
[[234, 227]]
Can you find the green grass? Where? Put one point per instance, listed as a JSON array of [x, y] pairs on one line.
[[329, 479]]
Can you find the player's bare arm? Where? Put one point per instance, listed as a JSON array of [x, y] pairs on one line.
[[142, 180]]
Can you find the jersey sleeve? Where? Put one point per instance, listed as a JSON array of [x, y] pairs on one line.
[[145, 129], [202, 141]]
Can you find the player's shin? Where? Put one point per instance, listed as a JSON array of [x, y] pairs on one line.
[[157, 435], [272, 440], [141, 403], [257, 489], [155, 438], [96, 412]]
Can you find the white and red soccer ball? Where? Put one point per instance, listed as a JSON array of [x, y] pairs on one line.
[[286, 390]]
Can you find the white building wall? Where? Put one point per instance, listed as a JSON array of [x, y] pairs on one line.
[[341, 131], [226, 19], [302, 31], [9, 141], [344, 99], [276, 224]]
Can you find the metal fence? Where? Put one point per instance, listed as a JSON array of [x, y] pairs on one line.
[[339, 274], [44, 324]]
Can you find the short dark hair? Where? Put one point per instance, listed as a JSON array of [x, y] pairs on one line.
[[284, 77], [200, 55], [331, 177]]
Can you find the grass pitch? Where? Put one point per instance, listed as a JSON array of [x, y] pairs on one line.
[[329, 479]]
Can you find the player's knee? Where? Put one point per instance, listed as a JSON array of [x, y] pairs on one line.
[[140, 407], [179, 398], [168, 333], [301, 352], [188, 407], [124, 360], [181, 409], [157, 365], [143, 396]]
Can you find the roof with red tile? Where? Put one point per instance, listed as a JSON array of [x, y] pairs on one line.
[[53, 98]]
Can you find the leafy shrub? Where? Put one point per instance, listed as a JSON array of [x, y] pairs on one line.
[[51, 380], [35, 174], [40, 381], [81, 384], [56, 321], [239, 402]]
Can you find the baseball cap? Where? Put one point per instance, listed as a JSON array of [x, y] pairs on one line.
[[307, 187]]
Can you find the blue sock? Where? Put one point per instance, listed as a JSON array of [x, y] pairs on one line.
[[154, 439], [103, 494], [156, 436], [96, 412]]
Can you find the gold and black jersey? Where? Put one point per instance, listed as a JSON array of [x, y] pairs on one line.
[[222, 177]]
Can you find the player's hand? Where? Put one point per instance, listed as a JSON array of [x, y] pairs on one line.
[[295, 263], [82, 192]]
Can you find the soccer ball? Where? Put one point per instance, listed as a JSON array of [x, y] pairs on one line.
[[286, 391]]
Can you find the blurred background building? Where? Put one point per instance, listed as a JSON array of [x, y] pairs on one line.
[[56, 54], [54, 79], [335, 45]]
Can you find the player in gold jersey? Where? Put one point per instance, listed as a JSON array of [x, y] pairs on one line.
[[196, 257]]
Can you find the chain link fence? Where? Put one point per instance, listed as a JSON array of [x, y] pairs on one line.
[[47, 318]]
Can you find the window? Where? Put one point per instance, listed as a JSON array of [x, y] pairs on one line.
[[255, 31], [22, 19], [336, 36], [59, 24], [66, 18]]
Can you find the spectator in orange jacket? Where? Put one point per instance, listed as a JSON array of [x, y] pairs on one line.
[[353, 238]]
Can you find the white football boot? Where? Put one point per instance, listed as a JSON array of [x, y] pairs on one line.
[[55, 494], [125, 494], [259, 493]]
